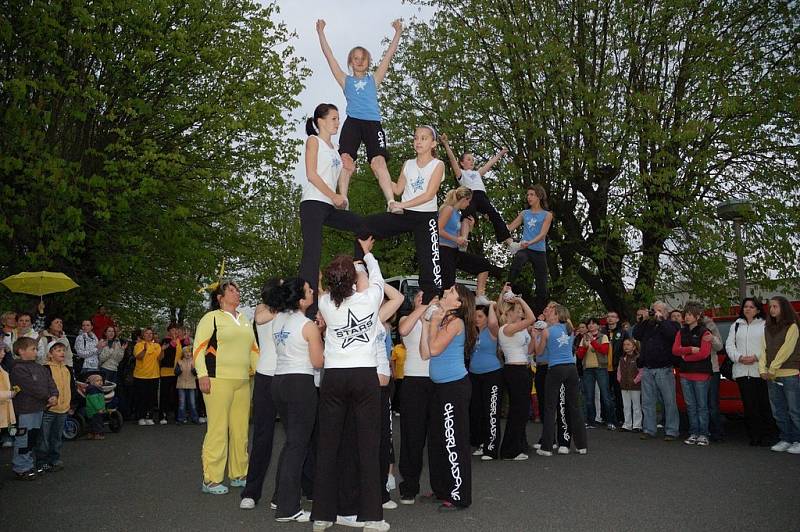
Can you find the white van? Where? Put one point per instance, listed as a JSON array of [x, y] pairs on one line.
[[408, 285]]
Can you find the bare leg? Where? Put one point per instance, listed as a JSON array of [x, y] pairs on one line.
[[348, 167], [480, 290], [378, 165]]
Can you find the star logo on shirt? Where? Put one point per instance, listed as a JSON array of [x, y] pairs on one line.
[[281, 336], [356, 330], [418, 184], [563, 339], [360, 85], [336, 162], [532, 223]]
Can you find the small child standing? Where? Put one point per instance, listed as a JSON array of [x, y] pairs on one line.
[[629, 377], [95, 406], [48, 449], [37, 390], [186, 387]]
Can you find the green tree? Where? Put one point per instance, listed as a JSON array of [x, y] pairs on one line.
[[637, 117], [143, 142]]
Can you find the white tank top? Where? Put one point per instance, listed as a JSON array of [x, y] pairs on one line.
[[291, 347], [514, 347], [267, 358], [472, 180], [329, 166], [415, 366], [417, 180]]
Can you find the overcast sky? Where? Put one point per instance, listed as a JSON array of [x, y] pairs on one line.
[[349, 23]]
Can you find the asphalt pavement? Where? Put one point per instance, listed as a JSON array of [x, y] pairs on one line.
[[148, 478]]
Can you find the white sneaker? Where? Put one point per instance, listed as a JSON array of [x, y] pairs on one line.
[[300, 517], [781, 446], [482, 300], [319, 526], [691, 440], [201, 420], [247, 503], [376, 526], [795, 448], [391, 482], [563, 450], [542, 452], [583, 451], [486, 458], [163, 421], [478, 451], [520, 457], [702, 441], [407, 502], [273, 506], [513, 247], [346, 520], [149, 422], [537, 446], [142, 422], [389, 505]]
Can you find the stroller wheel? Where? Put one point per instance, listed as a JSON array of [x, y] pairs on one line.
[[73, 428], [115, 420]]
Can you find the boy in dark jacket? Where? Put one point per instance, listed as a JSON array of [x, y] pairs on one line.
[[37, 390]]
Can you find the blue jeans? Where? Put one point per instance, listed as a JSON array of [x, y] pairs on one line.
[[186, 396], [714, 416], [784, 396], [659, 383], [28, 428], [695, 393], [599, 375], [48, 449]]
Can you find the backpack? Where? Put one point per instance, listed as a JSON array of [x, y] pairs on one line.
[[726, 368]]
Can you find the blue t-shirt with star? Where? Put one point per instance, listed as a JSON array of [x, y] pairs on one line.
[[362, 98], [531, 226]]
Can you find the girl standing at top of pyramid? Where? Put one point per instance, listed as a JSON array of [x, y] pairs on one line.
[[363, 123]]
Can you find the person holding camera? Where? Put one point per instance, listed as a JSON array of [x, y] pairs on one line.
[[656, 333]]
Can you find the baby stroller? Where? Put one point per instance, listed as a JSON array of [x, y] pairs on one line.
[[76, 422]]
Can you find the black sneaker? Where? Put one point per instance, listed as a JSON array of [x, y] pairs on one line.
[[45, 468], [30, 474], [646, 436]]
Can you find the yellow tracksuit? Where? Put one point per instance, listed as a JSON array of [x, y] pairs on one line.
[[225, 350]]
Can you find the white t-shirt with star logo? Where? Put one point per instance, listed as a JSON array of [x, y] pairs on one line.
[[290, 346], [352, 328], [417, 180], [472, 179], [329, 166]]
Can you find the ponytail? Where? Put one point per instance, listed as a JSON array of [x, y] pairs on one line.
[[321, 111], [287, 296], [455, 195], [340, 276]]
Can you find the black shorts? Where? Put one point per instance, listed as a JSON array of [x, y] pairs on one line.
[[370, 132]]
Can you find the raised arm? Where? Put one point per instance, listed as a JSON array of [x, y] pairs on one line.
[[383, 67], [406, 323], [521, 325], [451, 156], [493, 324], [430, 192], [493, 161], [263, 314], [394, 302], [336, 70]]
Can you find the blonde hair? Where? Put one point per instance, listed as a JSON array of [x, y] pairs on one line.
[[563, 317], [504, 308], [357, 49], [455, 195]]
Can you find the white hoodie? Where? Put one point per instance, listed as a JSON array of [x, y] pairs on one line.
[[745, 339]]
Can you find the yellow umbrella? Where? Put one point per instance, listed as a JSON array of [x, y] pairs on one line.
[[39, 283]]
